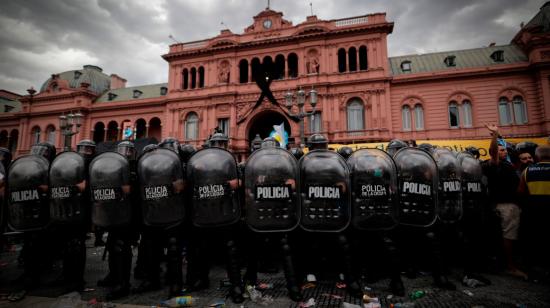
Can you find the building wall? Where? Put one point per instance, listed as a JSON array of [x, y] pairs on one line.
[[380, 94]]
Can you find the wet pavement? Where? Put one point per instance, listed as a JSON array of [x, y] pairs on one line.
[[505, 291]]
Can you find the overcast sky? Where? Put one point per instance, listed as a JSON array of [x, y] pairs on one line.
[[128, 37]]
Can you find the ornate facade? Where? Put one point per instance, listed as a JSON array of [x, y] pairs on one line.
[[238, 82]]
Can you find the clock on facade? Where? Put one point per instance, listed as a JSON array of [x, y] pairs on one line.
[[267, 23]]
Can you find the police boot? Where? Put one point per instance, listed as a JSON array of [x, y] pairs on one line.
[[121, 251], [75, 261], [174, 267], [396, 286], [352, 285], [234, 273], [290, 274], [442, 282]]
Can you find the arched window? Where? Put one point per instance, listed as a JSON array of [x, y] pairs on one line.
[[193, 78], [50, 134], [35, 132], [355, 115], [352, 56], [201, 77], [191, 126], [419, 117], [520, 110], [292, 65], [155, 129], [256, 69], [141, 128], [268, 67], [243, 71], [504, 111], [406, 117], [467, 113], [279, 67], [99, 132], [185, 74], [454, 116], [363, 60], [341, 60]]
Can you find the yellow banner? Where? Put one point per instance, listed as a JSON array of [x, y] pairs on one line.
[[455, 145]]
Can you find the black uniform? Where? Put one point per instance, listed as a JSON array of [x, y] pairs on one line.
[[161, 184], [375, 207], [28, 209], [113, 195], [70, 213], [213, 183], [325, 211], [418, 189], [272, 208]]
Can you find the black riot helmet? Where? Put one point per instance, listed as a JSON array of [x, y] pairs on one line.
[[219, 140], [270, 142], [5, 157], [127, 149], [149, 148], [318, 142], [527, 147], [394, 145], [170, 143], [345, 152], [86, 148], [297, 153], [186, 150], [45, 149], [474, 151], [428, 147], [256, 143]]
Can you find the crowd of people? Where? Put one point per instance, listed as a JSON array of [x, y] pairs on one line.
[[340, 215]]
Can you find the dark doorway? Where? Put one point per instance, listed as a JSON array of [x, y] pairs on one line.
[[262, 124]]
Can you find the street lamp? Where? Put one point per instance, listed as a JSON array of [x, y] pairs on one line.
[[300, 102], [66, 124]]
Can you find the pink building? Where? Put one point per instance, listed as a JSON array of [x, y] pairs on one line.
[[238, 82]]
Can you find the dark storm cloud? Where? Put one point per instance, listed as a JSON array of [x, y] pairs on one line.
[[39, 38]]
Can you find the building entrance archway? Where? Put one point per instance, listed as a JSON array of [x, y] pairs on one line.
[[263, 122]]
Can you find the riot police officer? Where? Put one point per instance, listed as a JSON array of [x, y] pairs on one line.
[[113, 193], [375, 205], [70, 209], [161, 183], [395, 145], [418, 211], [272, 204], [28, 209], [325, 210], [213, 184]]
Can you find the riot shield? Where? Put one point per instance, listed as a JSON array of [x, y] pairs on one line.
[[28, 193], [418, 182], [472, 187], [450, 192], [325, 192], [109, 178], [67, 189], [374, 193], [212, 176], [161, 183], [271, 190]]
